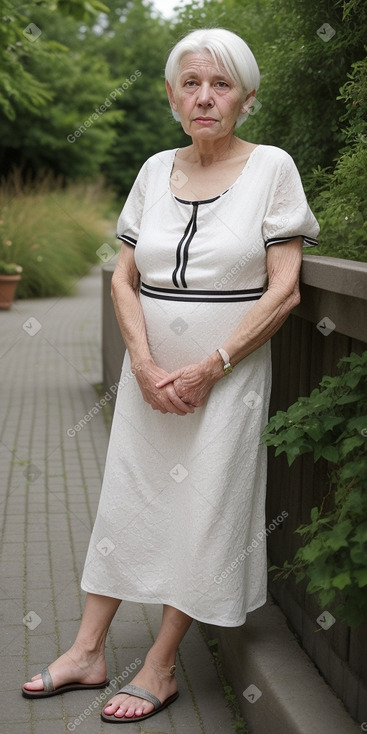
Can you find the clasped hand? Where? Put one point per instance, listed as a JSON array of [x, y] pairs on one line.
[[178, 392]]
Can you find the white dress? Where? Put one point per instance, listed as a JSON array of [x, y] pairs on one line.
[[181, 515]]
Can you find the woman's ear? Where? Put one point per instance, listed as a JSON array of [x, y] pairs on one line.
[[171, 96], [248, 102]]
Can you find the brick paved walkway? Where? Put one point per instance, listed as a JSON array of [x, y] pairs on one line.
[[50, 360]]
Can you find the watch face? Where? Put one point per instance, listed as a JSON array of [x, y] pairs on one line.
[[227, 368]]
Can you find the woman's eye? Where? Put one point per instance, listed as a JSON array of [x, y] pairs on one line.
[[190, 83], [222, 85]]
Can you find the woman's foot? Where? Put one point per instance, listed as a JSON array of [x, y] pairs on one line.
[[75, 666], [156, 679]]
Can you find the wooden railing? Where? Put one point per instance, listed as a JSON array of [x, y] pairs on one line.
[[334, 292], [330, 322]]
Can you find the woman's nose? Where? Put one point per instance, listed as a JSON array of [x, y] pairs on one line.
[[205, 98]]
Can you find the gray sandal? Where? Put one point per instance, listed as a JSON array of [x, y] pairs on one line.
[[147, 696], [50, 690]]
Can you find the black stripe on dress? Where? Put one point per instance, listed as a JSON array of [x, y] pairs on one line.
[[178, 253], [127, 238], [206, 296], [308, 241], [185, 254]]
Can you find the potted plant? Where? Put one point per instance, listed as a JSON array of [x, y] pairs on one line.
[[10, 272]]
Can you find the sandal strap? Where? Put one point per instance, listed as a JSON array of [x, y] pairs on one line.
[[140, 693], [47, 680]]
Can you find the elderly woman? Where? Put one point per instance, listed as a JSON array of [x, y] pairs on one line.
[[208, 271]]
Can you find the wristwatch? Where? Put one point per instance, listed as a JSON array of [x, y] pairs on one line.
[[227, 367]]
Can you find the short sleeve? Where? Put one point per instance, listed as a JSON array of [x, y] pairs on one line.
[[128, 224], [288, 214]]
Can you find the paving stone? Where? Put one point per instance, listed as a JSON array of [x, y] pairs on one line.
[[51, 377], [13, 706], [41, 650]]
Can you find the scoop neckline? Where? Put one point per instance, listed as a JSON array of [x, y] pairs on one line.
[[213, 198]]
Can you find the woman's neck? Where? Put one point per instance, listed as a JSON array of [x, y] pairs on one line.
[[207, 152]]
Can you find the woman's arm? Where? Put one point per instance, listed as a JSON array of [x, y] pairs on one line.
[[125, 296], [129, 313], [271, 310], [193, 382]]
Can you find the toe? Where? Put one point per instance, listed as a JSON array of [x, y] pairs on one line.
[[34, 685], [120, 713], [130, 712], [111, 708], [128, 708], [138, 708]]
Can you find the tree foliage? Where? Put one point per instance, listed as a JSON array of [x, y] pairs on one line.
[[313, 97], [135, 38], [339, 193], [54, 86], [57, 87]]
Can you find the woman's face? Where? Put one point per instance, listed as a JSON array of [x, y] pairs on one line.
[[206, 97]]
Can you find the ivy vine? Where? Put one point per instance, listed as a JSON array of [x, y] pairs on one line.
[[332, 423]]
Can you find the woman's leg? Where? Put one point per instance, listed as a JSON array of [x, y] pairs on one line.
[[85, 661], [155, 675]]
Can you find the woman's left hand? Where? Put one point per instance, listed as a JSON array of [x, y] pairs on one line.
[[193, 382]]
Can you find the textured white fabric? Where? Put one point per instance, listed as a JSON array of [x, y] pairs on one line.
[[181, 514]]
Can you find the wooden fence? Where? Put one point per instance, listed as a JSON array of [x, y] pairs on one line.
[[334, 294], [301, 355]]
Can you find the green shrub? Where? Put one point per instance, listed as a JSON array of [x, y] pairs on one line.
[[338, 197], [332, 423], [55, 231]]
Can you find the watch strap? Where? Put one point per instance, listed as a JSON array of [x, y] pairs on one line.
[[227, 367]]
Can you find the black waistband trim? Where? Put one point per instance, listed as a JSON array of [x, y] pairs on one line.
[[205, 296]]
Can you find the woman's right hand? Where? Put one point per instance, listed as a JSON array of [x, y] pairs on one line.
[[165, 399]]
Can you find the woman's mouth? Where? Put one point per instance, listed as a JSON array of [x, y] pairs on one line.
[[205, 120]]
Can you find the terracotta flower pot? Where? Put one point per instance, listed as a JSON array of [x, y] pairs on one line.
[[8, 286]]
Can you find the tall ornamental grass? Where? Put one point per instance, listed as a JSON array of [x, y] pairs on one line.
[[54, 231]]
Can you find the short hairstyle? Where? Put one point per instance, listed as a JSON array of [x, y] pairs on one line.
[[227, 50]]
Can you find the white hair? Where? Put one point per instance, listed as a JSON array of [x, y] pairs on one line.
[[227, 49]]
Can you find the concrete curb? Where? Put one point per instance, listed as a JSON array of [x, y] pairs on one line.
[[294, 698]]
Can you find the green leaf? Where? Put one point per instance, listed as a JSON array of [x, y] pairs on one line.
[[311, 551], [300, 575], [330, 421], [357, 423], [361, 534], [353, 469], [361, 577], [358, 555], [350, 398], [342, 580], [349, 444], [337, 537], [330, 453], [315, 429]]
